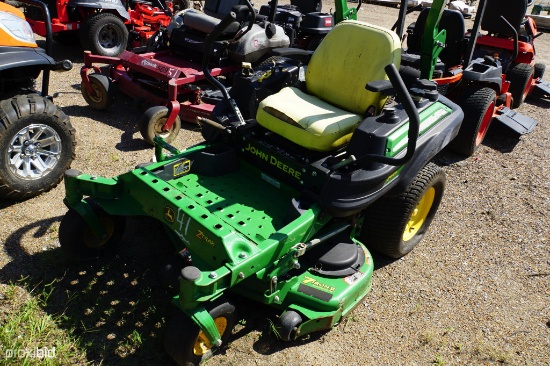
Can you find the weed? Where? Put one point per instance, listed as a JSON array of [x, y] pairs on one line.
[[135, 338], [438, 361], [273, 329], [427, 337]]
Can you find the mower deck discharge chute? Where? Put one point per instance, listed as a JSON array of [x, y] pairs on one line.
[[282, 207]]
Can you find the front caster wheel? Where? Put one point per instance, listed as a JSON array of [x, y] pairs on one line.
[[187, 344], [103, 92], [395, 225], [152, 124], [79, 241], [288, 325]]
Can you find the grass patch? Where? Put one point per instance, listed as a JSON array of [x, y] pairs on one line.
[[29, 336], [492, 353]]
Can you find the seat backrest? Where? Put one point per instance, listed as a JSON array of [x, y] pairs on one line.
[[512, 10], [452, 21], [220, 8], [352, 54]]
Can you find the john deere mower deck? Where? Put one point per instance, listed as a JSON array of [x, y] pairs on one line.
[[281, 208]]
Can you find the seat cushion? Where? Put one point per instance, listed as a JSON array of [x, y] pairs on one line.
[[307, 120]]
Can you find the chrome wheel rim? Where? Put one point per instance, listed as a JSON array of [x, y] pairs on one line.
[[34, 151]]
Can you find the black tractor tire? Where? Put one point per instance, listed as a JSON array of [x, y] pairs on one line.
[[520, 77], [539, 71], [78, 240], [37, 145], [394, 225], [104, 34], [104, 92], [151, 124], [187, 344], [478, 104], [68, 38]]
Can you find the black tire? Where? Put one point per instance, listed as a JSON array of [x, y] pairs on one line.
[[288, 325], [395, 225], [182, 334], [77, 239], [478, 104], [520, 77], [153, 120], [69, 38], [37, 145], [539, 71], [104, 34], [104, 92]]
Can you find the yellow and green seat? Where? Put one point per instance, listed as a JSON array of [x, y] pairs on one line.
[[324, 118]]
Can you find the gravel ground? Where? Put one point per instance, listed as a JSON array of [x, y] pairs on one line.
[[475, 291]]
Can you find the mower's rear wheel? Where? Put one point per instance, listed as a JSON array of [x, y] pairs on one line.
[[186, 343], [539, 71], [478, 105], [153, 121], [395, 225], [78, 240], [104, 92], [104, 34], [520, 77], [37, 145]]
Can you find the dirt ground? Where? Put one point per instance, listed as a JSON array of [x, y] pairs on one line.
[[475, 291]]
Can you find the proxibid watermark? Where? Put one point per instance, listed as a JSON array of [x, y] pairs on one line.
[[39, 353]]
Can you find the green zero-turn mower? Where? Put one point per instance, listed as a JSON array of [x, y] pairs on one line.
[[280, 207]]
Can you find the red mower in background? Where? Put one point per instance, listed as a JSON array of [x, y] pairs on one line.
[[105, 27], [514, 41], [440, 49], [171, 81]]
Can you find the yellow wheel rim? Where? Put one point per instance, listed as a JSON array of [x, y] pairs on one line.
[[202, 344], [419, 214], [98, 95], [91, 241]]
